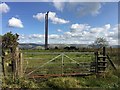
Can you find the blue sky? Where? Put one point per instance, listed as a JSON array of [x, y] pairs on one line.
[[69, 22]]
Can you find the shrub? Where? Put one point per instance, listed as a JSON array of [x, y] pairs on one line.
[[63, 82], [18, 83]]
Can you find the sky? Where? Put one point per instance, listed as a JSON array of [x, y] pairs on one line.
[[69, 22]]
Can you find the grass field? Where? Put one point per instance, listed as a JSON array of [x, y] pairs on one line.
[[38, 58], [56, 62]]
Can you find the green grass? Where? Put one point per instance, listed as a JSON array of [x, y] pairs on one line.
[[82, 82], [107, 80], [110, 79]]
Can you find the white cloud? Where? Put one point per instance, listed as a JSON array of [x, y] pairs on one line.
[[96, 30], [59, 30], [86, 8], [52, 16], [107, 26], [36, 36], [4, 8], [39, 16], [58, 5], [90, 8], [15, 22], [113, 33], [103, 29], [79, 27], [87, 35], [110, 34], [82, 0], [54, 36], [56, 20], [32, 38]]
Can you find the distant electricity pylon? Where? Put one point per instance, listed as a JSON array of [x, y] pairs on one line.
[[46, 30]]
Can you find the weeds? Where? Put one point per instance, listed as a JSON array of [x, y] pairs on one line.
[[18, 83]]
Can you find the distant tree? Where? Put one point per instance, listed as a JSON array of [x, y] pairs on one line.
[[56, 47], [100, 42], [67, 48], [72, 48]]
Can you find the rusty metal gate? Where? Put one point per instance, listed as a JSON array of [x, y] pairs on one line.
[[57, 63]]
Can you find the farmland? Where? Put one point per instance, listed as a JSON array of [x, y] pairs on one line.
[[45, 63], [34, 59]]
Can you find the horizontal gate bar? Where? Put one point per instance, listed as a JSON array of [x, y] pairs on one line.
[[58, 53]]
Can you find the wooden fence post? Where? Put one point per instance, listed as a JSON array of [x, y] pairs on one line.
[[3, 67], [17, 61], [96, 60], [21, 64], [104, 54], [62, 63], [13, 63]]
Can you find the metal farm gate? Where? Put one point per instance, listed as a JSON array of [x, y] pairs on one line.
[[45, 64]]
